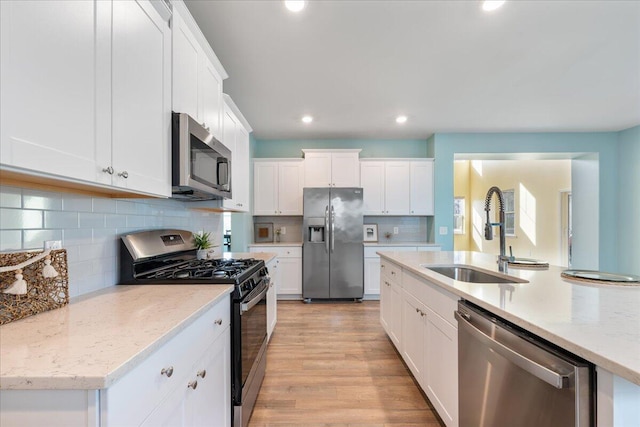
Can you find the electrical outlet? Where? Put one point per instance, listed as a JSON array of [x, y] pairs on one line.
[[395, 230], [53, 244], [444, 231], [283, 230]]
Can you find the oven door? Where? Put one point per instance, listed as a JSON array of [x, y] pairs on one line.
[[253, 319]]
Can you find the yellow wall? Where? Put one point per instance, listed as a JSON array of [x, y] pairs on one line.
[[537, 185]]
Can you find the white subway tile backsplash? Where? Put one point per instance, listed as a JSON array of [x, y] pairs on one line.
[[104, 205], [91, 220], [76, 236], [56, 219], [77, 203], [10, 240], [126, 207], [34, 239], [40, 200], [10, 197], [20, 219], [90, 228]]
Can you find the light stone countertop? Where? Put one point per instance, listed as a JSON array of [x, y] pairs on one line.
[[600, 323], [99, 337], [257, 245], [389, 244]]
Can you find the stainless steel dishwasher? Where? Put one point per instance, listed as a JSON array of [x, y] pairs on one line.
[[508, 377]]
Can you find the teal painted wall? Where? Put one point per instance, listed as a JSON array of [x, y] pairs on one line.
[[242, 223], [604, 144], [629, 200], [283, 148]]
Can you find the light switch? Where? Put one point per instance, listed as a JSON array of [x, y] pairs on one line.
[[283, 230], [395, 230], [444, 231]]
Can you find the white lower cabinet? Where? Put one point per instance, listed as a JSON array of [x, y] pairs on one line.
[[419, 321], [289, 278], [160, 391]]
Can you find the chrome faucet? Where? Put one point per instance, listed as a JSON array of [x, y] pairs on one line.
[[503, 259]]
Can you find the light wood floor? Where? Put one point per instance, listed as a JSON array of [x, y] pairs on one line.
[[332, 365]]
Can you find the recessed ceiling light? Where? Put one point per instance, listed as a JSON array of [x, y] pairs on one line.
[[401, 119], [489, 5], [307, 119], [294, 5]]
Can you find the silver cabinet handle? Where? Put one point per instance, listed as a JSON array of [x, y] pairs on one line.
[[276, 212], [326, 228], [193, 384], [124, 174], [202, 373], [417, 310], [108, 170], [393, 273], [556, 379], [167, 371], [218, 322], [333, 229]]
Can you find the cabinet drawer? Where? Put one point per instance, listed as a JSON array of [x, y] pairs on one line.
[[281, 251], [390, 270], [442, 302], [132, 398]]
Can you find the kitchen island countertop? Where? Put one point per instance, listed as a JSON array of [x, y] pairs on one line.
[[599, 323]]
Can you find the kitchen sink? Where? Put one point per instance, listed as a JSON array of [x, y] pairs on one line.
[[472, 275]]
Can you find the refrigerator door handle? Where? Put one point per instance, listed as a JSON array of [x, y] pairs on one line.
[[333, 220], [326, 228]]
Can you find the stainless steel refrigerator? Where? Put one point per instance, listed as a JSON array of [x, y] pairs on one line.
[[332, 251]]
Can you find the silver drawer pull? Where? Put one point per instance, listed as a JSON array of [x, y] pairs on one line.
[[218, 322], [167, 371], [108, 170], [193, 384], [202, 373], [124, 174]]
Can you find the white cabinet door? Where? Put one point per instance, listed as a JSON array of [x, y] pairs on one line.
[[211, 102], [372, 182], [209, 402], [186, 69], [229, 139], [141, 94], [241, 165], [413, 327], [345, 170], [55, 87], [265, 188], [290, 276], [372, 276], [396, 315], [397, 194], [441, 367], [290, 185], [317, 169], [422, 187], [170, 412]]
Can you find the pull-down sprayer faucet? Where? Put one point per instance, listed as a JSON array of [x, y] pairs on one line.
[[503, 260]]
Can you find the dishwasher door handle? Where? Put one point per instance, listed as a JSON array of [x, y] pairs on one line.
[[547, 375]]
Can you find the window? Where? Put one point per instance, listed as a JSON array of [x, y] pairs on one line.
[[458, 215], [509, 212]]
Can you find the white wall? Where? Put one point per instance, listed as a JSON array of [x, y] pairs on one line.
[[89, 228]]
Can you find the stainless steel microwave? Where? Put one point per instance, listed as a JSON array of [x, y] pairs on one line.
[[201, 165]]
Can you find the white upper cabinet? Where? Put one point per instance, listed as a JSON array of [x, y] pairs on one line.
[[331, 168], [85, 93], [53, 96], [397, 187], [141, 98], [236, 138], [422, 187], [197, 74], [277, 187]]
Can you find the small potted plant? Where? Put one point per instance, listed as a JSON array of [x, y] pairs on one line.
[[203, 244]]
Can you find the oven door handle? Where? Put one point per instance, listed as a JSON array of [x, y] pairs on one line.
[[556, 379], [246, 306]]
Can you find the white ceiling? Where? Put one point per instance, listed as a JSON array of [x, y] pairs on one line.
[[449, 66]]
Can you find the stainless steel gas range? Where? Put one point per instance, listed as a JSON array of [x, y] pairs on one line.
[[169, 257]]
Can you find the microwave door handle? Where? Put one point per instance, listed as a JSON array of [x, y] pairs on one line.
[[326, 229], [246, 306]]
